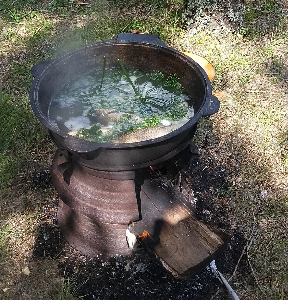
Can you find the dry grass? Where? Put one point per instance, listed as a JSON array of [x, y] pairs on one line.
[[249, 136], [251, 130]]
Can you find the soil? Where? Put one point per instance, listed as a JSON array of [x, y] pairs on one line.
[[141, 275]]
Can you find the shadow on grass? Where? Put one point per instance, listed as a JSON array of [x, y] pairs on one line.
[[278, 68], [15, 12]]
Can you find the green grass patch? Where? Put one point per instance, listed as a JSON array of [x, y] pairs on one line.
[[8, 123], [261, 17], [20, 132], [69, 290], [8, 119]]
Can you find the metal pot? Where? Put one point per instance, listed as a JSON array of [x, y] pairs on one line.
[[145, 52]]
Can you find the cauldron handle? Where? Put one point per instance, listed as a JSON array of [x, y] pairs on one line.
[[86, 149], [141, 38], [211, 106]]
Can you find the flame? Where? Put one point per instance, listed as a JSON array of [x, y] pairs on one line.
[[143, 235]]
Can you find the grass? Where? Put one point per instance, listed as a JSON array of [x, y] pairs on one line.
[[261, 16], [249, 135]]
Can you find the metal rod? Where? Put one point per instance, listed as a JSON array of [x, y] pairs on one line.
[[223, 281]]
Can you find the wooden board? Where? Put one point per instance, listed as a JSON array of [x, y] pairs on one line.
[[184, 244]]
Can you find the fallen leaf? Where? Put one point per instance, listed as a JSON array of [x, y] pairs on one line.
[[26, 271], [82, 3]]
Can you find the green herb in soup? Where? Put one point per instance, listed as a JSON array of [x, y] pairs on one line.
[[121, 106]]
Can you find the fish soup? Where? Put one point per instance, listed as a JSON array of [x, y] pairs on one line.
[[121, 106]]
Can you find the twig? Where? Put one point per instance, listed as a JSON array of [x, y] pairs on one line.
[[250, 264], [252, 238], [246, 250], [103, 72], [213, 296], [247, 246]]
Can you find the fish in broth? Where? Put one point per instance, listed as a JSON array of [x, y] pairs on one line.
[[124, 106]]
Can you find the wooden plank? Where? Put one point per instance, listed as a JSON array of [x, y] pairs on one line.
[[183, 243]]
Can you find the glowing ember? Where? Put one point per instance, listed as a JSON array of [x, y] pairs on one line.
[[143, 235]]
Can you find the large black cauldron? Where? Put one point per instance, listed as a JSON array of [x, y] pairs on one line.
[[145, 52]]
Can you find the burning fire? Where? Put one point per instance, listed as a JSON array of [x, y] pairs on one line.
[[143, 235], [131, 237]]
